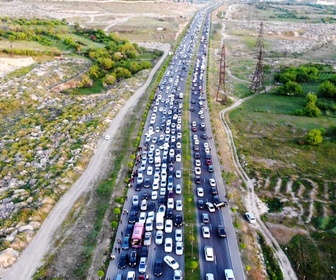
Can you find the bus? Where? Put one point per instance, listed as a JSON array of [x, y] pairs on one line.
[[137, 236]]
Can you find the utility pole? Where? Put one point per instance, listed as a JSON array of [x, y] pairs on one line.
[[258, 77], [222, 70]]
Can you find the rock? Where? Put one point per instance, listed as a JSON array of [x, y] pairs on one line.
[[8, 257], [25, 228]]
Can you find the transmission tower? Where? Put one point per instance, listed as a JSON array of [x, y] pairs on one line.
[[258, 77], [222, 68]]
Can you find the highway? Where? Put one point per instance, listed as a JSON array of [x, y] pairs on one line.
[[159, 163]]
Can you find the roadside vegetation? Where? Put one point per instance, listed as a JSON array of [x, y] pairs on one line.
[[286, 138], [52, 133]]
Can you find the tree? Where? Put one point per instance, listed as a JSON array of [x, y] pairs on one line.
[[116, 211], [290, 88], [327, 89], [94, 72], [314, 137], [107, 63], [110, 79], [100, 274], [193, 265]]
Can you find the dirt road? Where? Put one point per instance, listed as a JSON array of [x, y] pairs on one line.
[[32, 257]]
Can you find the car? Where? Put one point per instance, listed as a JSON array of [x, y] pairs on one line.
[[208, 161], [171, 262], [250, 217], [194, 129], [200, 192], [133, 258], [196, 148], [151, 215], [178, 274], [206, 232], [221, 231], [178, 158], [204, 136], [198, 170], [143, 265], [143, 206], [148, 238], [125, 243], [159, 237], [170, 203], [205, 218], [149, 225], [198, 162], [193, 124], [210, 207], [221, 204], [130, 275], [107, 137], [142, 217], [168, 245], [212, 182], [158, 267], [178, 189], [178, 220], [214, 191], [200, 204], [162, 209], [198, 180], [209, 254], [179, 248], [178, 235], [129, 229], [196, 141], [163, 191], [229, 274], [178, 174], [197, 155], [210, 168], [144, 252], [147, 183], [149, 170], [154, 195], [135, 200], [179, 205], [168, 226], [209, 276], [123, 259], [132, 217]]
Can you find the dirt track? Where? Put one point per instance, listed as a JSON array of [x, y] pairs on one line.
[[31, 258]]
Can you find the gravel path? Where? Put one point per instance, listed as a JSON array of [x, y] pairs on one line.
[[31, 258]]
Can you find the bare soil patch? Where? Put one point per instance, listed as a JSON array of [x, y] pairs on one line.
[[284, 234]]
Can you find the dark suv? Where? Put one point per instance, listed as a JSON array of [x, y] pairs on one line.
[[178, 220], [133, 258]]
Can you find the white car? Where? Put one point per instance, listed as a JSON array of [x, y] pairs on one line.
[[179, 205], [149, 225], [107, 137], [206, 145], [250, 217], [198, 170], [168, 245], [210, 206], [178, 274], [170, 261], [179, 248], [170, 203], [200, 192], [178, 235], [169, 226], [149, 170], [178, 189], [163, 191], [198, 163], [159, 237], [178, 158], [130, 275], [206, 232], [178, 145], [212, 182], [154, 195], [178, 174], [143, 206], [209, 254], [142, 218], [143, 265], [229, 274], [148, 238], [196, 142], [151, 215]]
